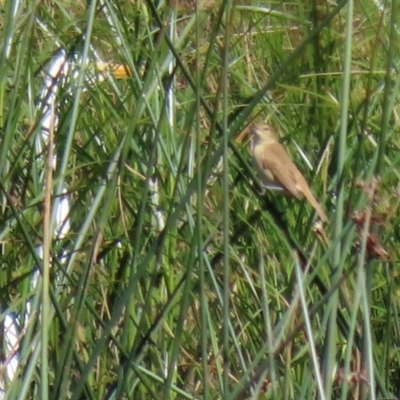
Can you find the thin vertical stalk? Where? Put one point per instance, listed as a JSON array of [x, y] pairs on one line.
[[225, 182], [330, 355], [46, 260], [386, 110], [199, 222]]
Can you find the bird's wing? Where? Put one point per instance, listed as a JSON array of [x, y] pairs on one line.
[[283, 169], [277, 163]]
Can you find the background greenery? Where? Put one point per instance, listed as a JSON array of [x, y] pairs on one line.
[[177, 278]]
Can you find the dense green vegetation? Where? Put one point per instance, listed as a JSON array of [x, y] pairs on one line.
[[178, 276]]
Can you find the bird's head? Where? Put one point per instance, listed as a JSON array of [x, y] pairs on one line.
[[263, 133]]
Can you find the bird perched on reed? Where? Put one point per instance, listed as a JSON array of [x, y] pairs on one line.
[[276, 168]]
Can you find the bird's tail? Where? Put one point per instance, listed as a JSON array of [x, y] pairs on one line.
[[310, 197]]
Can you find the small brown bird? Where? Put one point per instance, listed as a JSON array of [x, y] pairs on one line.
[[276, 169]]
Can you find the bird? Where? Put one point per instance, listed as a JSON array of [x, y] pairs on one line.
[[275, 167]]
